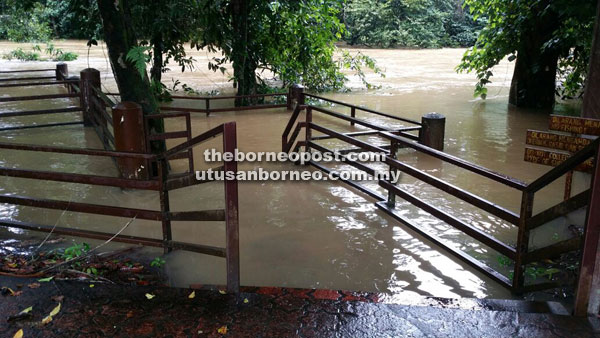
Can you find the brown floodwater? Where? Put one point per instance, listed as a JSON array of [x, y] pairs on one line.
[[309, 234]]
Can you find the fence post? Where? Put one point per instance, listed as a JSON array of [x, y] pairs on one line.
[[164, 204], [296, 92], [88, 78], [62, 71], [587, 298], [391, 202], [352, 114], [522, 240], [232, 222], [433, 130], [308, 129], [128, 126]]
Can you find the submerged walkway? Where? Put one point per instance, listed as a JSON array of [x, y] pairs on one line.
[[110, 310]]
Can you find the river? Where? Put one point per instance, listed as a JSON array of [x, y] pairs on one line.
[[311, 234]]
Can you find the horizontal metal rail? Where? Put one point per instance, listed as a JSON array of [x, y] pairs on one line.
[[457, 192], [482, 171], [574, 203], [481, 267], [27, 71], [27, 78], [203, 249], [371, 111], [40, 112], [82, 207], [47, 125], [75, 151], [351, 119], [569, 164], [452, 221], [80, 178], [38, 97], [33, 84]]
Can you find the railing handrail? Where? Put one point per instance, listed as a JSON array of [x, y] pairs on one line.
[[194, 141], [568, 165], [75, 151], [472, 167], [365, 109]]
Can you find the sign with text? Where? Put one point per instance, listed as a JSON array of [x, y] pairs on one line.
[[556, 141], [575, 125], [554, 158]]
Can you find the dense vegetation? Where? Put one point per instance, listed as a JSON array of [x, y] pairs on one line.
[[410, 23], [294, 40]]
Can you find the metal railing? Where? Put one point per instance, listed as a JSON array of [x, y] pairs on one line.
[[95, 110], [524, 221]]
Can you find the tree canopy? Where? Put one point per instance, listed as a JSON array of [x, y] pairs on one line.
[[543, 36]]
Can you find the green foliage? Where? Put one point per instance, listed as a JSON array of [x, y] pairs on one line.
[[56, 54], [289, 42], [510, 23], [409, 23], [24, 22], [75, 251], [20, 54], [158, 262], [139, 57]]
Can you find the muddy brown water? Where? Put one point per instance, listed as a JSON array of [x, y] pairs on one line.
[[308, 234]]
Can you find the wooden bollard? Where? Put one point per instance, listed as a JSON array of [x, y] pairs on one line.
[[128, 126], [433, 130], [88, 78], [62, 71], [296, 94]]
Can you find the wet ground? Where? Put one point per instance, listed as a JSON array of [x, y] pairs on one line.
[[99, 310]]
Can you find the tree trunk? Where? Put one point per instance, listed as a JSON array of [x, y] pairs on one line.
[[157, 58], [244, 68], [120, 37], [591, 96], [534, 79]]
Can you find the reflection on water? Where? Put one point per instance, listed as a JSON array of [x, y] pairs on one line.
[[308, 234]]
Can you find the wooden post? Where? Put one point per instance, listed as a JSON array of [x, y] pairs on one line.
[[88, 78], [62, 71], [433, 130], [128, 124], [165, 206], [296, 95], [522, 240], [308, 130], [207, 100], [391, 202], [587, 298], [352, 114], [231, 212]]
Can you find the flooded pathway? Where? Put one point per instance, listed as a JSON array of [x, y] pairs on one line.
[[310, 234]]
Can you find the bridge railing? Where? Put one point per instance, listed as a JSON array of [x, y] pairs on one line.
[[524, 220]]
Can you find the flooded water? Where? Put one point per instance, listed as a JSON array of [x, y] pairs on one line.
[[309, 234]]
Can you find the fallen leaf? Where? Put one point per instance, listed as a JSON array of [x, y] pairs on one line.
[[222, 330], [25, 314], [222, 292], [46, 280], [19, 334], [53, 313], [27, 310], [192, 295], [34, 285], [130, 314], [246, 301], [150, 296]]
